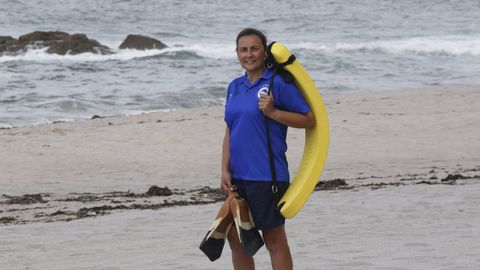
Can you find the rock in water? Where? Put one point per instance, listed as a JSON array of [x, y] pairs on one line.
[[78, 43], [9, 44], [40, 36], [57, 43], [140, 42]]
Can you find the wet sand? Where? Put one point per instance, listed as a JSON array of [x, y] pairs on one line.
[[406, 227]]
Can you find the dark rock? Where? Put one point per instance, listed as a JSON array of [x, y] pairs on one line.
[[40, 36], [7, 39], [78, 43], [158, 191], [140, 42], [57, 43], [9, 44]]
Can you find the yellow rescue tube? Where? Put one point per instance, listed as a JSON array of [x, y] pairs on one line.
[[316, 138]]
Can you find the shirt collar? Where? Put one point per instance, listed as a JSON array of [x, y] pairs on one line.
[[267, 75]]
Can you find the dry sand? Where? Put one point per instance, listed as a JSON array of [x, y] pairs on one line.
[[403, 137]]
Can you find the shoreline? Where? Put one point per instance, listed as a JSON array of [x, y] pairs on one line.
[[73, 192], [99, 166], [376, 134], [328, 95]]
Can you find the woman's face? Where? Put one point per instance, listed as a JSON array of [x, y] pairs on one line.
[[251, 54]]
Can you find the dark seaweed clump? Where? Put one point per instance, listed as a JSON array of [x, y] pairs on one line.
[[25, 199], [6, 220], [331, 184], [159, 191]]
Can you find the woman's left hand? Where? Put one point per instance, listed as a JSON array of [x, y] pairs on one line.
[[265, 104]]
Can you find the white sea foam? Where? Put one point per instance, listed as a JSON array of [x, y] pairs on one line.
[[212, 50], [40, 55], [450, 45], [216, 51], [41, 121], [138, 112], [5, 126], [309, 46]]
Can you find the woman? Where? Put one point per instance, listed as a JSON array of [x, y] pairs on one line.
[[245, 160]]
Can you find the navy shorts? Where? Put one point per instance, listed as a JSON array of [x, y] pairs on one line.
[[261, 201]]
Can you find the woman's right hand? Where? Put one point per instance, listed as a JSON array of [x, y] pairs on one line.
[[226, 182]]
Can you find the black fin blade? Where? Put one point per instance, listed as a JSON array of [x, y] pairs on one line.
[[251, 241], [212, 247]]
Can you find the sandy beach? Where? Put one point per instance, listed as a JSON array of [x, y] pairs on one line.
[[74, 195]]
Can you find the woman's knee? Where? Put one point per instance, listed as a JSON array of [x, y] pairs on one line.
[[275, 239], [273, 245]]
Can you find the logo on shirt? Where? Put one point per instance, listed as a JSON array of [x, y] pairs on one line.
[[263, 91]]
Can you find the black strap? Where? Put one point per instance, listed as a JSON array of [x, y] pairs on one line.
[[271, 156], [278, 68], [289, 61]]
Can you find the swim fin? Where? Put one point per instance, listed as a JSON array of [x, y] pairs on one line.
[[213, 242], [250, 239]]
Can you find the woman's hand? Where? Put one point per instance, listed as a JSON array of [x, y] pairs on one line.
[[226, 182], [265, 105], [291, 119]]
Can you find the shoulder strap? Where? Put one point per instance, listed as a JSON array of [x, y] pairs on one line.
[[278, 68], [271, 156]]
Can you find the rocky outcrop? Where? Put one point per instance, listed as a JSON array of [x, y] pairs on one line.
[[63, 43], [44, 37], [9, 44], [57, 43], [140, 42], [78, 43]]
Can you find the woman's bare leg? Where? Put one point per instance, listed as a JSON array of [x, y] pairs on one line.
[[241, 261], [277, 244]]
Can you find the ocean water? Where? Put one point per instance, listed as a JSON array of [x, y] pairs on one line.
[[347, 46]]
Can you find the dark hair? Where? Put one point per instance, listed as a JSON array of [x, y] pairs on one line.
[[252, 32]]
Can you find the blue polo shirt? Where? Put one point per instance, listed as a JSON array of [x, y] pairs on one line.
[[248, 140]]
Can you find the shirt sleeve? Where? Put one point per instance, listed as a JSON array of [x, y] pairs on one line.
[[288, 97], [228, 93], [227, 97]]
